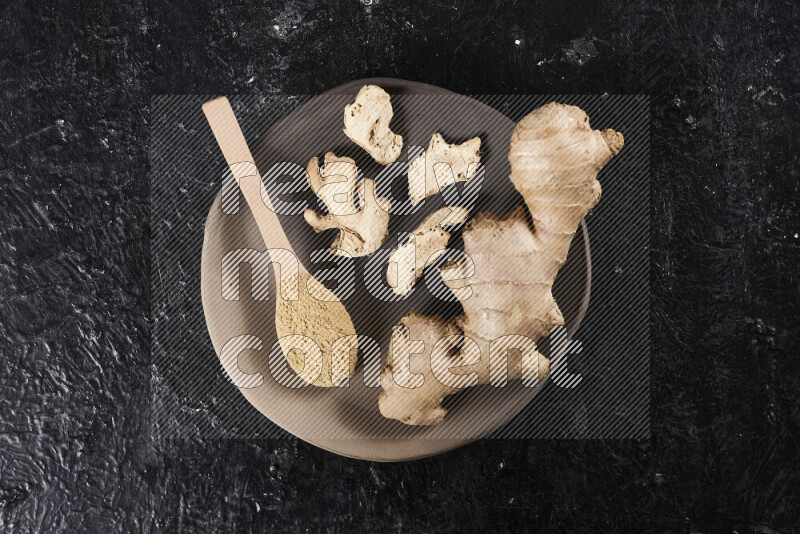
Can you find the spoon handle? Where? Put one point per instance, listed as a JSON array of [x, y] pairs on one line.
[[234, 148]]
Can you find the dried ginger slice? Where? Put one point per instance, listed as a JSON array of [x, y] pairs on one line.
[[442, 164], [362, 226], [366, 123], [424, 246]]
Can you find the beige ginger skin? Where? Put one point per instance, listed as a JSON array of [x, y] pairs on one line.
[[555, 157]]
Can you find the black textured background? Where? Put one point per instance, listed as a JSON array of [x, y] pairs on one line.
[[76, 83]]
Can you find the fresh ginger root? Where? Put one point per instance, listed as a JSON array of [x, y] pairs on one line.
[[442, 164], [505, 299], [555, 157], [414, 403], [366, 123], [423, 247], [362, 226]]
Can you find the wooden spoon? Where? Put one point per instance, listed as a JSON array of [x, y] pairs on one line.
[[308, 316]]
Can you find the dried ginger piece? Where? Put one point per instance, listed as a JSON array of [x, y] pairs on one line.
[[423, 247], [442, 164], [555, 157], [362, 226], [366, 123]]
